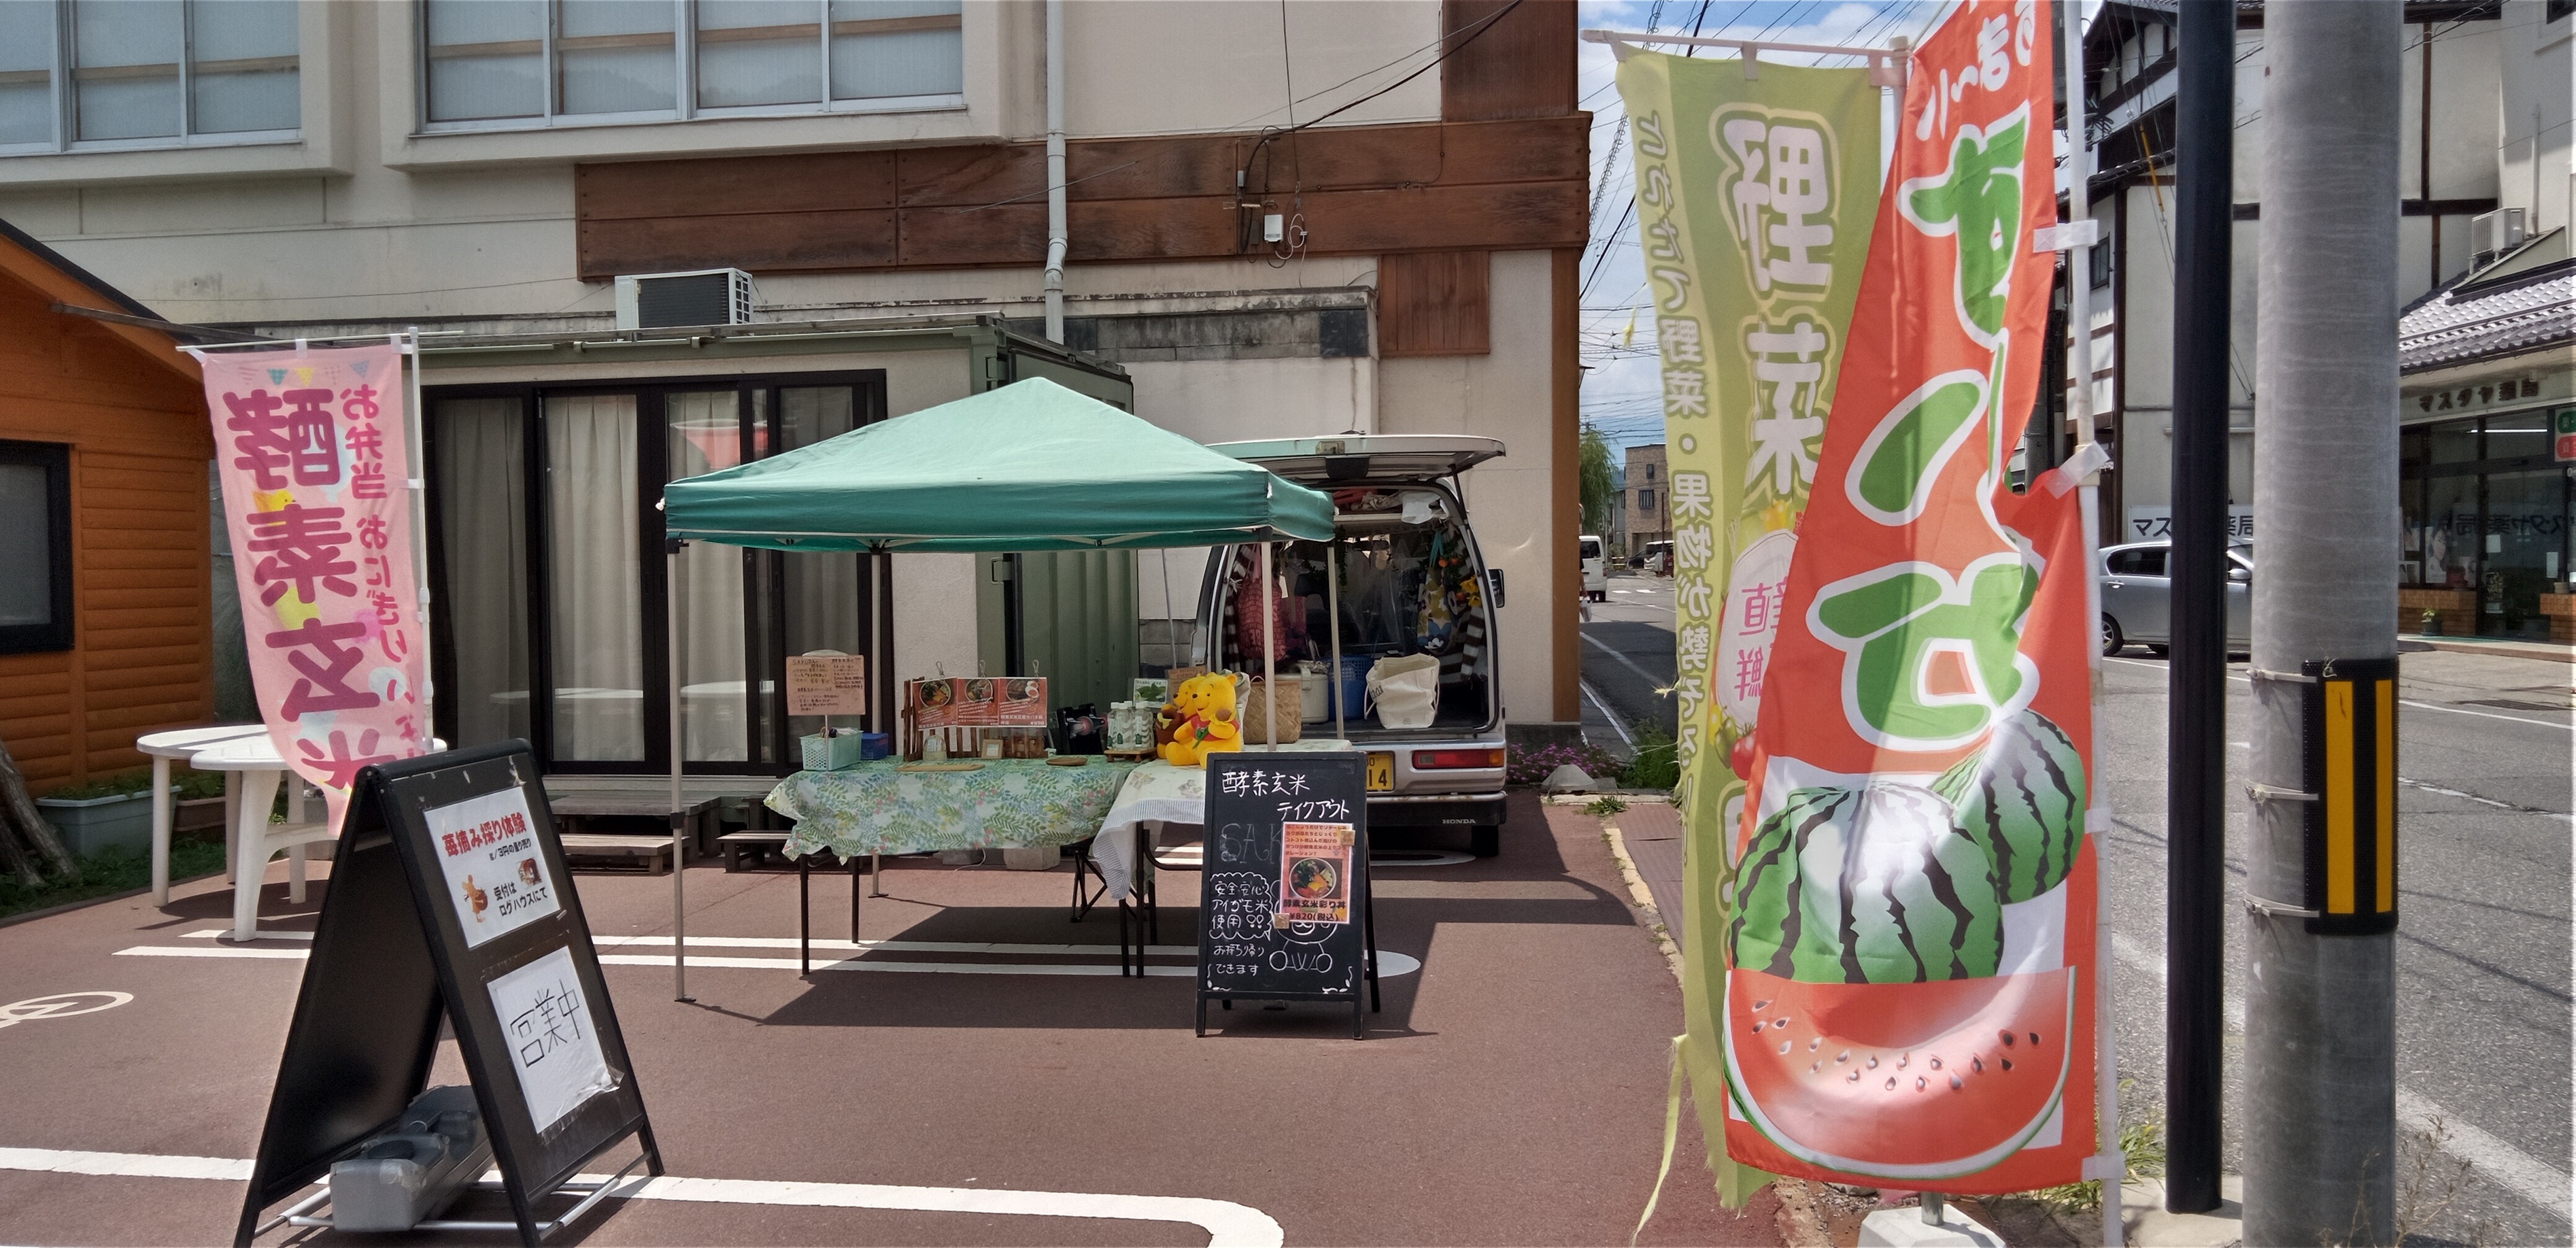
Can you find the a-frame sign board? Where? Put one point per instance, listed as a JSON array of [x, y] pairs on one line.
[[449, 898], [1284, 902]]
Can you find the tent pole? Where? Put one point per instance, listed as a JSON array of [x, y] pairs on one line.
[[1333, 612], [1269, 653], [679, 815]]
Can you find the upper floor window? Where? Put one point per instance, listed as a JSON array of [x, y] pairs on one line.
[[501, 63], [83, 74]]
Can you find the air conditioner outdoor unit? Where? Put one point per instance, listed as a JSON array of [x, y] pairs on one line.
[[672, 300], [2492, 234]]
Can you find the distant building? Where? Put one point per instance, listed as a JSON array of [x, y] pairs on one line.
[[1614, 532], [1649, 513]]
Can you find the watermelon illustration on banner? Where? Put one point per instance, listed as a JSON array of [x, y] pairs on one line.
[[312, 451], [1755, 192], [1910, 995]]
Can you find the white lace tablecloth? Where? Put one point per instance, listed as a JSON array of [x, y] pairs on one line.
[[1159, 793]]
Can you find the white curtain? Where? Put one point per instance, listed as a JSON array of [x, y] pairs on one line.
[[483, 529], [616, 56], [705, 435], [506, 74], [141, 39], [598, 598], [26, 71], [822, 589], [759, 52], [873, 63], [246, 66]]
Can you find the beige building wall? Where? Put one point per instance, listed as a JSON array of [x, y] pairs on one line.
[[1502, 395]]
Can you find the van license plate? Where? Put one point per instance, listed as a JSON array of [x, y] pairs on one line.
[[1381, 772]]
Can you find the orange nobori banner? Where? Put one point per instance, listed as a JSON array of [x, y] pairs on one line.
[[1909, 995], [312, 451]]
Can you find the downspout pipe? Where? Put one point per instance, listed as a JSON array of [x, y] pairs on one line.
[[1055, 171]]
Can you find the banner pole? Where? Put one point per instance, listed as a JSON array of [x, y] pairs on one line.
[[414, 421], [2108, 1159]]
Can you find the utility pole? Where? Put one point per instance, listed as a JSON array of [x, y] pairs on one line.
[[2196, 734], [2321, 1004]]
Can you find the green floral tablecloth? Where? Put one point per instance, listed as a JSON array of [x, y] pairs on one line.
[[874, 808]]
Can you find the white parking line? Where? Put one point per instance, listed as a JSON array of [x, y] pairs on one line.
[[1390, 963], [1229, 1225], [2498, 1162]]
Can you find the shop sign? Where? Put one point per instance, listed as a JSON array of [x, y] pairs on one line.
[[2565, 424], [2147, 524]]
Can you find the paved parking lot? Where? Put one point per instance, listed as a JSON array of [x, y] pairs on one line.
[[1512, 1091]]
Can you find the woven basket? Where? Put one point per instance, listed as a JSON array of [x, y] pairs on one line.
[[1288, 719]]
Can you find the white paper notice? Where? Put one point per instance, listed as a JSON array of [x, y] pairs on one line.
[[554, 1047], [496, 874]]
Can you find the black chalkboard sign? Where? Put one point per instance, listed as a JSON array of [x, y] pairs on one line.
[[449, 897], [1284, 885]]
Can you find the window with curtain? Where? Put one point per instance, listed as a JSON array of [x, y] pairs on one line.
[[147, 73], [550, 602], [593, 557], [479, 457], [505, 63]]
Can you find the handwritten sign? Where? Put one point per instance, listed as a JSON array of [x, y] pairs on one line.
[[1283, 893], [553, 1044], [827, 684]]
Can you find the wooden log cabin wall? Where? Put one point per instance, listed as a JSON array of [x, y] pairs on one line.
[[118, 415]]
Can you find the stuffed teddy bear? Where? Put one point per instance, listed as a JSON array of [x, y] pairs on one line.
[[1201, 719]]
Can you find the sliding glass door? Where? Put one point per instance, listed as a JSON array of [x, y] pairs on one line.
[[551, 592]]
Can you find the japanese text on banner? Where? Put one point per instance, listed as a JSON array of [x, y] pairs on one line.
[[312, 453]]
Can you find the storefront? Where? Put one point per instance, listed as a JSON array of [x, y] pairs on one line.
[[550, 593], [2487, 376], [2488, 505]]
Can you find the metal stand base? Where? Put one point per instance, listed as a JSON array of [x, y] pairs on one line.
[[306, 1212]]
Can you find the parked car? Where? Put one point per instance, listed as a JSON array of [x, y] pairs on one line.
[[1596, 577], [1657, 560], [1412, 581], [2137, 597]]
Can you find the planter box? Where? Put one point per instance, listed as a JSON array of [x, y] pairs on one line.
[[195, 814], [91, 824]]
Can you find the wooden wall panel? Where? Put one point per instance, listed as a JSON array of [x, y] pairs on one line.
[[1490, 185], [135, 420], [1521, 66], [1435, 303]]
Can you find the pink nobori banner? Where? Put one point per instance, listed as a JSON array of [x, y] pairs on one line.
[[312, 450]]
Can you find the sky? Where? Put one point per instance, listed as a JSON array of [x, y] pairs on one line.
[[1622, 390]]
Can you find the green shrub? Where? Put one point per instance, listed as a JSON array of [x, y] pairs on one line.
[[1657, 764]]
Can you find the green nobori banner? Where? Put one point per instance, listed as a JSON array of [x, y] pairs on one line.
[[1757, 187]]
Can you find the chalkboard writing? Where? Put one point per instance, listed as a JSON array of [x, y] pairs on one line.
[[1283, 887], [444, 899]]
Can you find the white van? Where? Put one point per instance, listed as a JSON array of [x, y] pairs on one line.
[[1596, 574], [1412, 582]]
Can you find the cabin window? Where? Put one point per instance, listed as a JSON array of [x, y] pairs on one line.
[[35, 575]]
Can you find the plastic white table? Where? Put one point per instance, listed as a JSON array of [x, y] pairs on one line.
[[184, 743], [254, 838]]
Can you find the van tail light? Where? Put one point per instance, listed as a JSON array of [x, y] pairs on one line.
[[1436, 760]]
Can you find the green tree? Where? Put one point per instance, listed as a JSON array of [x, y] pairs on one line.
[[1593, 473]]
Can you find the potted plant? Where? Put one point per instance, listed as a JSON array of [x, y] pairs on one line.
[[2431, 623]]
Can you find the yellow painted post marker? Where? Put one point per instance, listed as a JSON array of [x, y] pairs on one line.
[[2386, 788], [2338, 797]]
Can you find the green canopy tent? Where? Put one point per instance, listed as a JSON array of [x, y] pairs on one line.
[[1030, 466]]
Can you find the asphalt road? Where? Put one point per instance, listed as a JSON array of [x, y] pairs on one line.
[[2487, 744], [1628, 653], [2482, 949]]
